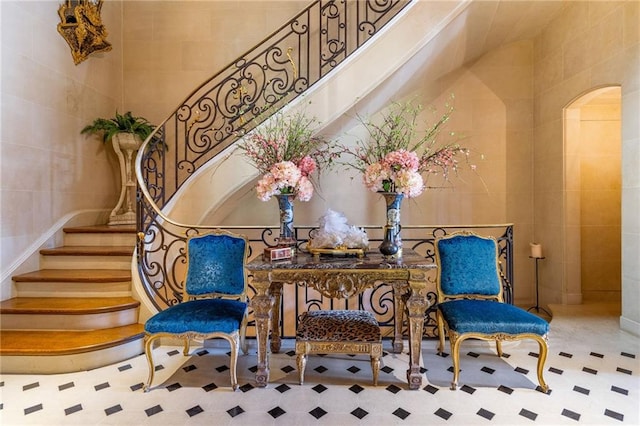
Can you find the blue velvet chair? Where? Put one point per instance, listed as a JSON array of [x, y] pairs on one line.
[[214, 303], [470, 300]]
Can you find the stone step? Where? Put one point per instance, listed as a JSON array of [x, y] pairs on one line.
[[88, 251], [74, 283], [53, 352], [87, 257], [100, 235], [76, 313], [61, 313]]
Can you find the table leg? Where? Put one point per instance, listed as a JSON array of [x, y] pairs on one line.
[[262, 304], [399, 289], [417, 304], [276, 293]]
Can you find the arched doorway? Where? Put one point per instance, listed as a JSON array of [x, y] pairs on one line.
[[592, 168]]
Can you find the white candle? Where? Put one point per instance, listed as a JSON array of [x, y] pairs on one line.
[[536, 250]]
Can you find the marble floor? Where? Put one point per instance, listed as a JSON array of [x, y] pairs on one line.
[[593, 370]]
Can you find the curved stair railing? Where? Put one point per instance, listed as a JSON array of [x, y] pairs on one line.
[[215, 115], [267, 77]]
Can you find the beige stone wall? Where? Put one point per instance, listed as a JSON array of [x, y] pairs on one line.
[[493, 116], [591, 45], [600, 219], [48, 169]]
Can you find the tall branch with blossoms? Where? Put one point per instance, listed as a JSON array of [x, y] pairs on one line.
[[286, 152], [396, 157]]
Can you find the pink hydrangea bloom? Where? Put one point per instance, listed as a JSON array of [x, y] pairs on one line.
[[304, 189], [375, 175], [286, 174], [307, 165], [266, 187], [402, 159], [397, 172], [409, 182], [284, 177]]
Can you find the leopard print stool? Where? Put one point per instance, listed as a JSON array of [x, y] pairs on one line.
[[341, 331]]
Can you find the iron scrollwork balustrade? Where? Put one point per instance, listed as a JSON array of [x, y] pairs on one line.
[[231, 103], [163, 262], [239, 97]]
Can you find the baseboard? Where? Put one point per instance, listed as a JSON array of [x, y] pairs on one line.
[[572, 299], [630, 326]]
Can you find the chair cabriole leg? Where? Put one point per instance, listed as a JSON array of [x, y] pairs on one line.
[[440, 322], [148, 350], [186, 346], [542, 357], [454, 341], [234, 343]]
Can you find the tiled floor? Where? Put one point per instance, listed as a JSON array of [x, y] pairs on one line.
[[592, 369]]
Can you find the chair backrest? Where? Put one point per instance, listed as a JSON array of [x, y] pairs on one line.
[[468, 266], [216, 265]]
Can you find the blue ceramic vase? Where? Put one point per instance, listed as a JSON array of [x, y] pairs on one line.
[[391, 246]]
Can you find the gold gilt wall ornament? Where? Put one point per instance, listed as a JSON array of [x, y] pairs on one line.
[[81, 26]]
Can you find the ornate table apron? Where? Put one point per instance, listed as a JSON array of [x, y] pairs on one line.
[[342, 278]]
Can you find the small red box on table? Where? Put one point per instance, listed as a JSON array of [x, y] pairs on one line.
[[278, 253]]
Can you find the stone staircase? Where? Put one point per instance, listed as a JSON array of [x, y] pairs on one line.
[[76, 313]]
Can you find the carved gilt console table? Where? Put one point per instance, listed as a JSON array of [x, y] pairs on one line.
[[342, 277]]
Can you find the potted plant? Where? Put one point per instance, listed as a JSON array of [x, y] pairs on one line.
[[126, 133], [120, 123]]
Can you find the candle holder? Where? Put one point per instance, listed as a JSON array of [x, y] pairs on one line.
[[537, 307]]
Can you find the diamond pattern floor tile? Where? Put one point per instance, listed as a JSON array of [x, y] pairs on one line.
[[594, 380]]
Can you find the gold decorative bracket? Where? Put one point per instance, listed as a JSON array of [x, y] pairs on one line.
[[81, 27]]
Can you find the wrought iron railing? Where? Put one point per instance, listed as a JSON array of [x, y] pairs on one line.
[[233, 102], [379, 299]]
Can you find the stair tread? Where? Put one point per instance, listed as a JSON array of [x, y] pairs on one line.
[[101, 229], [56, 342], [89, 251], [66, 305], [75, 275]]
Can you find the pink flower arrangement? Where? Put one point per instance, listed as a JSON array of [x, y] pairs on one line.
[[286, 151], [286, 177], [395, 157], [398, 171]]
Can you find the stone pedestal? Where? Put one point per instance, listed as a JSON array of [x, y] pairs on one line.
[[125, 146]]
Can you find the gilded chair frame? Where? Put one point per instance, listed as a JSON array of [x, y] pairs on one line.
[[236, 339], [456, 339]]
